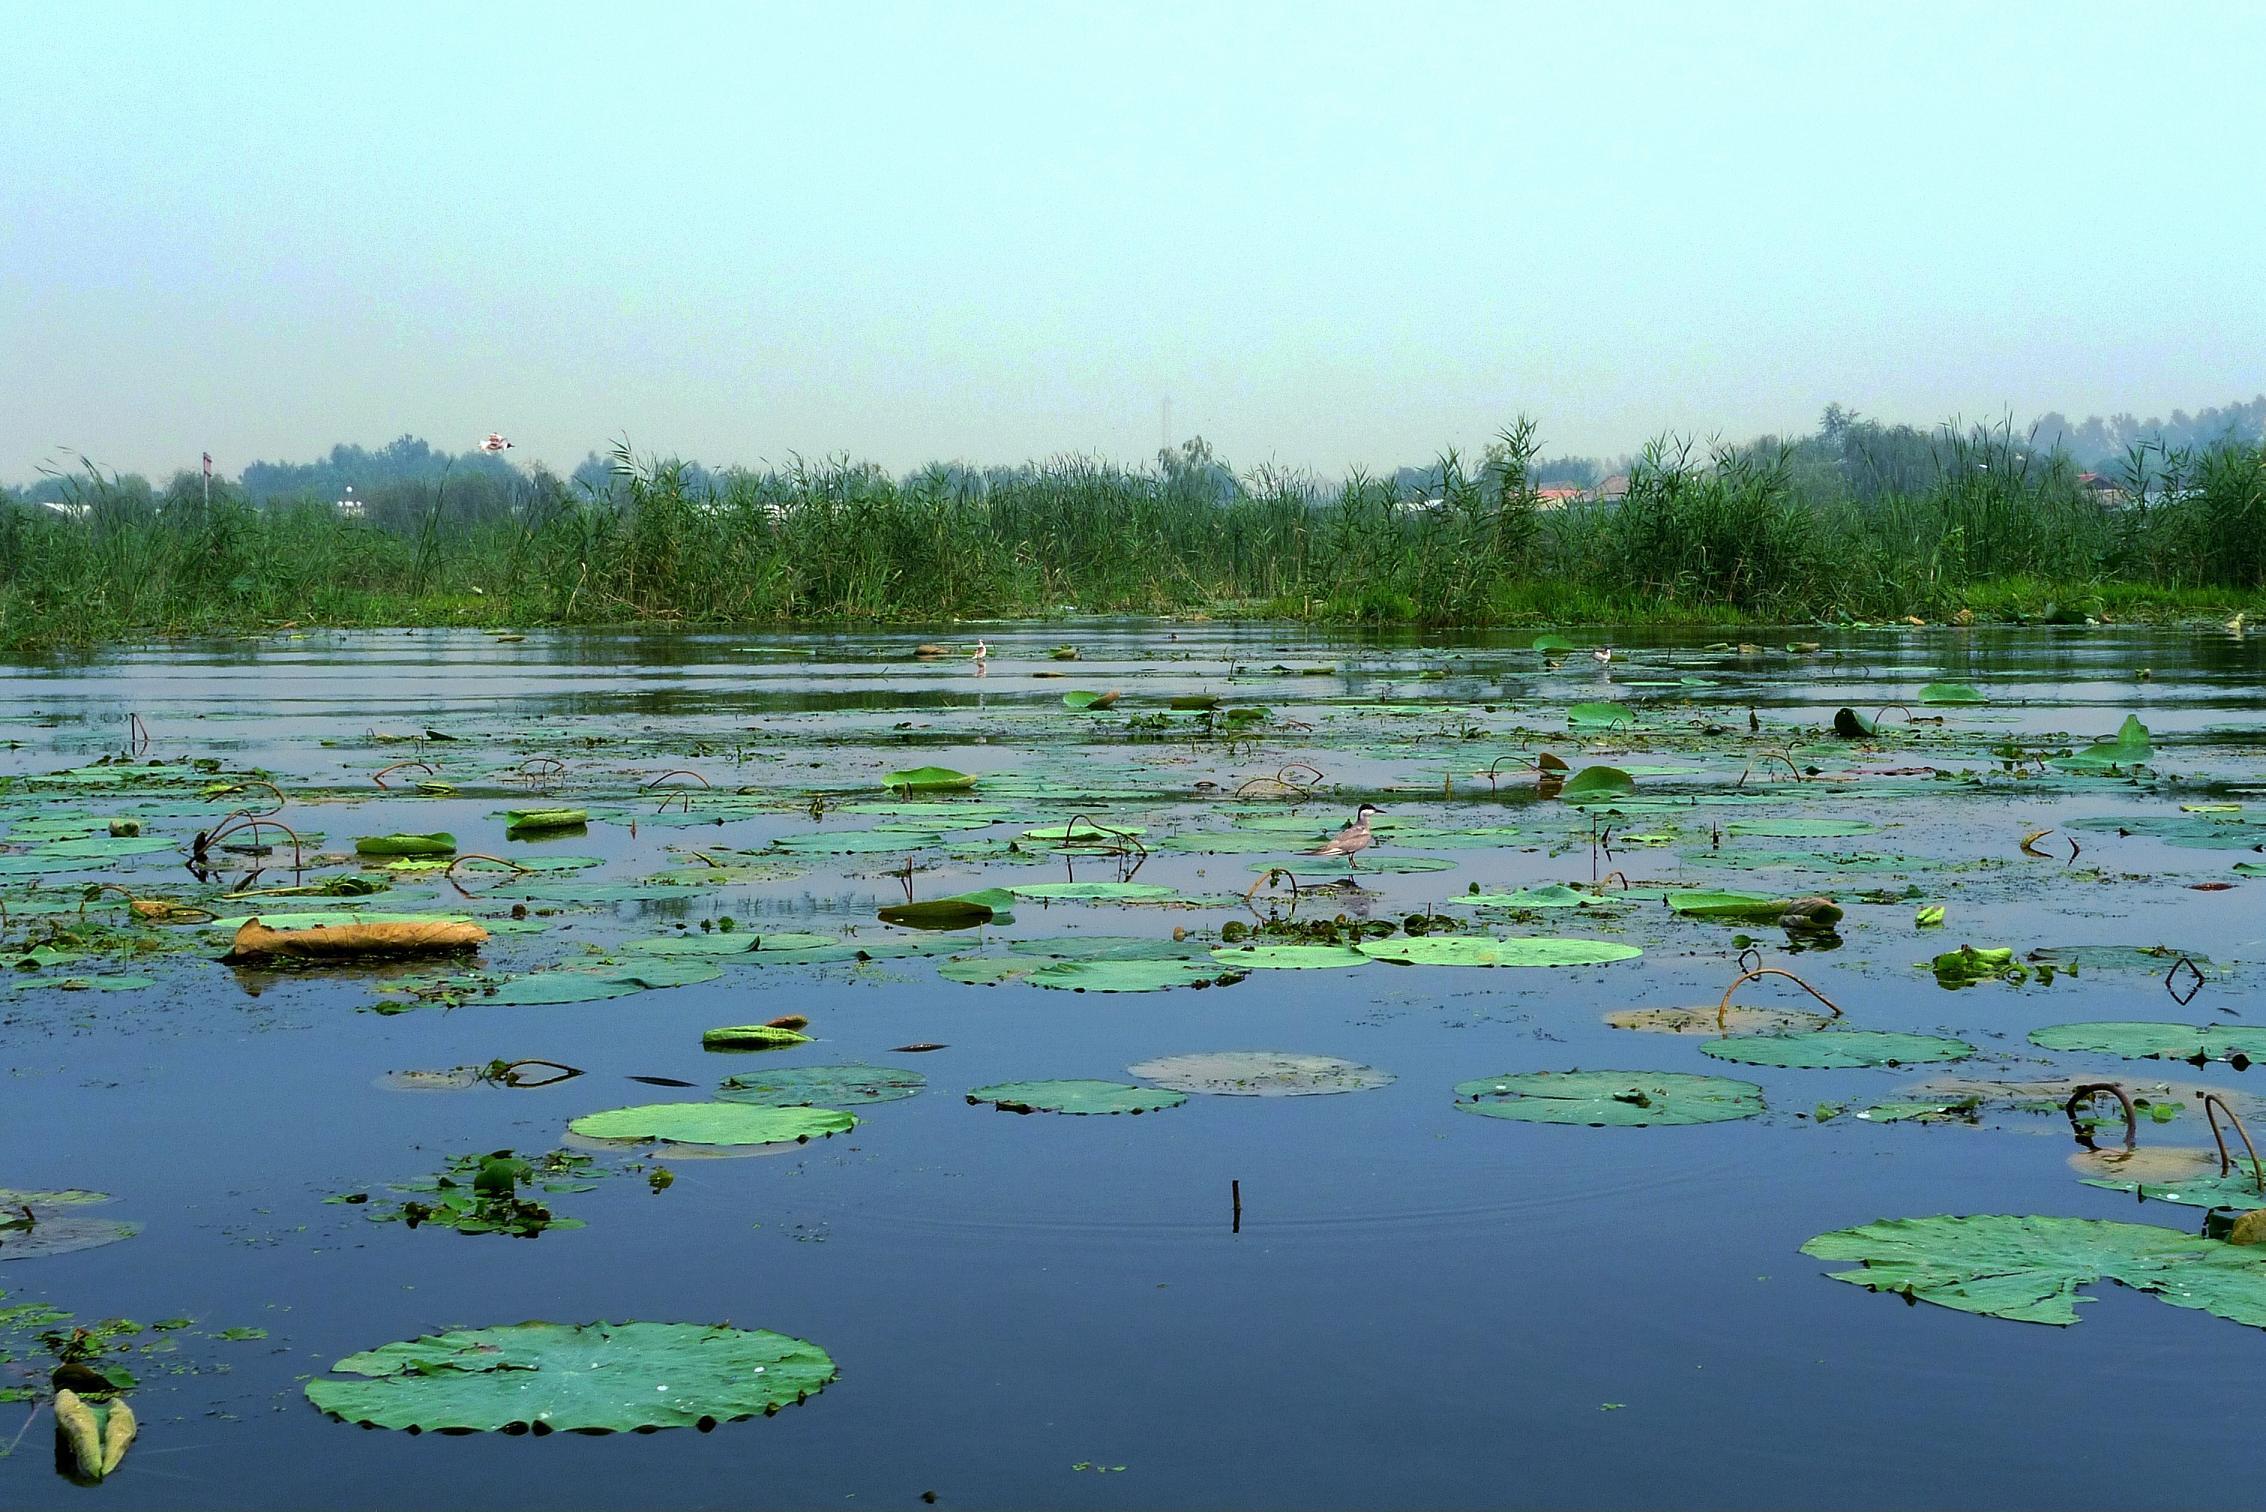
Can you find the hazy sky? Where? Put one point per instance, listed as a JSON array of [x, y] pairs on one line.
[[1332, 235]]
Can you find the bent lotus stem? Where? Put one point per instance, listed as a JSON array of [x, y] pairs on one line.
[[541, 769], [379, 776], [1882, 712], [1251, 893], [244, 821], [684, 797], [2078, 1095], [2194, 986], [1723, 1009], [1298, 780], [234, 788], [448, 872], [506, 1073], [2213, 1106], [137, 734]]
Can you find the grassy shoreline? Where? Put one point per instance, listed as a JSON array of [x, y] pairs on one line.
[[1727, 541]]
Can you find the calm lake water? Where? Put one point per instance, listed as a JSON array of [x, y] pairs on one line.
[[1419, 1307]]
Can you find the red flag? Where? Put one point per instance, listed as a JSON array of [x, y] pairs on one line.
[[208, 464]]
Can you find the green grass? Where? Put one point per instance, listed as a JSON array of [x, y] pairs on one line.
[[1725, 539]]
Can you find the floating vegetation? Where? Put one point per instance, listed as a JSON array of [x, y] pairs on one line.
[[713, 1123], [1077, 1097], [34, 1224], [2238, 1044], [1823, 1049], [1260, 1073], [821, 1086], [1610, 1099], [1480, 950]]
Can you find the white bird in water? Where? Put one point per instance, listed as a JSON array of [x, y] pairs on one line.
[[1351, 840], [1603, 655], [981, 658]]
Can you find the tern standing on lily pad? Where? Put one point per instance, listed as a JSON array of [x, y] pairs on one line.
[[1351, 840]]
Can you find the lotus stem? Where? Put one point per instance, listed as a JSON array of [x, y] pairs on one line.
[[2131, 1119], [2213, 1105], [253, 782], [1723, 1009], [2193, 989], [379, 776]]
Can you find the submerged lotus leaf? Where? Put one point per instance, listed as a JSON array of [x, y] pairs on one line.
[[713, 1123], [2149, 1040], [590, 984], [1481, 950], [1370, 862], [95, 846], [2029, 1268], [1260, 1073], [1075, 1096], [1951, 693], [1113, 947], [1833, 1049], [1555, 895], [1713, 1021], [2151, 958], [1113, 975], [821, 1086], [732, 943], [851, 842], [1617, 1099], [52, 1223], [589, 1378], [1078, 892], [988, 971], [1269, 957], [1798, 829]]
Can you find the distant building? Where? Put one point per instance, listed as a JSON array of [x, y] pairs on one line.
[[349, 508], [1558, 496], [2103, 491], [1614, 488]]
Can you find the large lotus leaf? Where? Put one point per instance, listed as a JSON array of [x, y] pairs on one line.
[[1598, 716], [580, 985], [1240, 843], [821, 1086], [1851, 725], [713, 1123], [1075, 1096], [2190, 831], [929, 779], [849, 950], [1712, 1020], [737, 942], [1110, 975], [1480, 950], [589, 1377], [751, 1037], [1369, 861], [1555, 895], [958, 812], [2144, 1040], [1082, 832], [1079, 892], [1289, 957], [2029, 1268], [1826, 1049], [1626, 1099], [988, 971], [849, 842], [1951, 693], [1597, 784], [2151, 958], [1552, 645], [106, 845], [53, 1223], [1798, 829], [438, 843], [2238, 1188], [1111, 947], [1260, 1073], [937, 913], [2130, 747]]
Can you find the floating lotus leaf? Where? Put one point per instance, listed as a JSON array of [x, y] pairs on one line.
[[1481, 950], [1597, 784], [2204, 1188], [1598, 716], [1552, 645], [1239, 843], [1798, 829], [821, 1086], [733, 943], [1369, 861], [2029, 1268], [1619, 1099], [988, 971], [2156, 959], [1082, 1097], [1951, 693], [1827, 1049], [1115, 947], [1954, 1110], [1288, 957], [1713, 1021], [2131, 747], [1086, 698], [849, 842], [858, 951], [1110, 975], [54, 1223], [1074, 892], [97, 846], [331, 919], [929, 779], [1260, 1073], [590, 984], [937, 913], [535, 820], [436, 844], [1082, 832], [2148, 1040], [713, 1123], [588, 1378], [1851, 725], [751, 1037], [1555, 895]]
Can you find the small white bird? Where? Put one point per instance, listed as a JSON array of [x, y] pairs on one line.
[[494, 442], [981, 658], [1603, 656], [1351, 840]]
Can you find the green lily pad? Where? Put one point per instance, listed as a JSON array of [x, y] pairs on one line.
[[1825, 1049], [529, 821], [1369, 861], [2028, 1269], [1551, 645], [937, 913], [2154, 959], [1798, 829], [821, 1086], [751, 1037], [1260, 1073], [95, 846], [713, 1123], [2130, 747], [852, 842], [2238, 1188], [438, 843], [1480, 950], [1600, 716], [1951, 693], [1597, 784], [1073, 1096], [53, 1223], [1555, 895], [1109, 975], [1095, 892], [2147, 1040], [591, 984], [928, 779], [588, 1378], [734, 943], [1269, 957], [1619, 1099]]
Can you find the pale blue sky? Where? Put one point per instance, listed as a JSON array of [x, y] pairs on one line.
[[1333, 235]]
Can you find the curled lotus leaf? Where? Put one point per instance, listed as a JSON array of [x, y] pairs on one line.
[[1825, 1049], [713, 1123], [1610, 1099], [1076, 1096], [2028, 1269], [1260, 1073], [584, 1378]]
